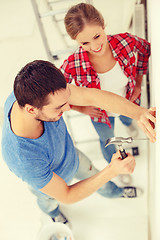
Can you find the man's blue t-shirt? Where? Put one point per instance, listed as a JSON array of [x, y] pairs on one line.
[[36, 160]]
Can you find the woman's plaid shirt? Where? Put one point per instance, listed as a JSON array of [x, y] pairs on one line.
[[124, 48]]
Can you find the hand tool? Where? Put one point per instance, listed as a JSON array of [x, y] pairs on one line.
[[119, 141]]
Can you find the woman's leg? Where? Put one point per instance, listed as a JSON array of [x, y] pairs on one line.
[[131, 128], [125, 120], [105, 132]]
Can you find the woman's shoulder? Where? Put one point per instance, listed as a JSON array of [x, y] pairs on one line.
[[76, 55], [119, 36], [121, 40], [76, 59]]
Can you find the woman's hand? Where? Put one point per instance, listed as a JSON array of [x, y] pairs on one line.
[[92, 111], [137, 88], [89, 110], [136, 92]]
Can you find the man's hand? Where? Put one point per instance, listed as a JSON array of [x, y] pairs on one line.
[[125, 166], [147, 123]]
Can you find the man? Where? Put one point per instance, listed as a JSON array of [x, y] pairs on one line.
[[37, 147]]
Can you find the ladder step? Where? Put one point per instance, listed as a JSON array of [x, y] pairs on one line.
[[52, 13], [57, 1], [62, 51]]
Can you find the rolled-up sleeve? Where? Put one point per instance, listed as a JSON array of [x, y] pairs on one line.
[[142, 47]]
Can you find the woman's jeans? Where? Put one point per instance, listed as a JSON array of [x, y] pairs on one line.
[[109, 190], [105, 132]]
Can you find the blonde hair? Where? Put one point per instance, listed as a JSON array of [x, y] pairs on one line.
[[79, 15]]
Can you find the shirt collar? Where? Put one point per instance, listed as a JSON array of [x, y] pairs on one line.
[[82, 56]]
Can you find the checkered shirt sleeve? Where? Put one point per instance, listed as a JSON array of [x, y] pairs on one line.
[[142, 47]]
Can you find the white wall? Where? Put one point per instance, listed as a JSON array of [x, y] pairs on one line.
[[154, 35]]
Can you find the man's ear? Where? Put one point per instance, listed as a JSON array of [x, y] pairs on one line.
[[30, 109]]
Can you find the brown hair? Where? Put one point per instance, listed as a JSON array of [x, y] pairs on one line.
[[35, 81], [79, 15]]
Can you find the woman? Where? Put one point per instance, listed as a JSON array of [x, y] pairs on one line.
[[105, 62]]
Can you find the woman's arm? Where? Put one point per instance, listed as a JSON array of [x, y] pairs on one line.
[[142, 47], [137, 88]]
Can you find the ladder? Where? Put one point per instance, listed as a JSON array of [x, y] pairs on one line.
[[50, 19]]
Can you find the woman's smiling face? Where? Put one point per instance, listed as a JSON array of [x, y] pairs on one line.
[[93, 39]]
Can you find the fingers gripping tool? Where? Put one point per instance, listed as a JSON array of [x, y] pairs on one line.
[[119, 141]]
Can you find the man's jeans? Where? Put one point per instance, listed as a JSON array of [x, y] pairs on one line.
[[105, 132], [109, 190]]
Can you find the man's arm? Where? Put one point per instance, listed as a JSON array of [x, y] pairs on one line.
[[114, 103], [58, 189]]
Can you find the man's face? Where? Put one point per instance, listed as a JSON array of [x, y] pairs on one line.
[[58, 104]]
